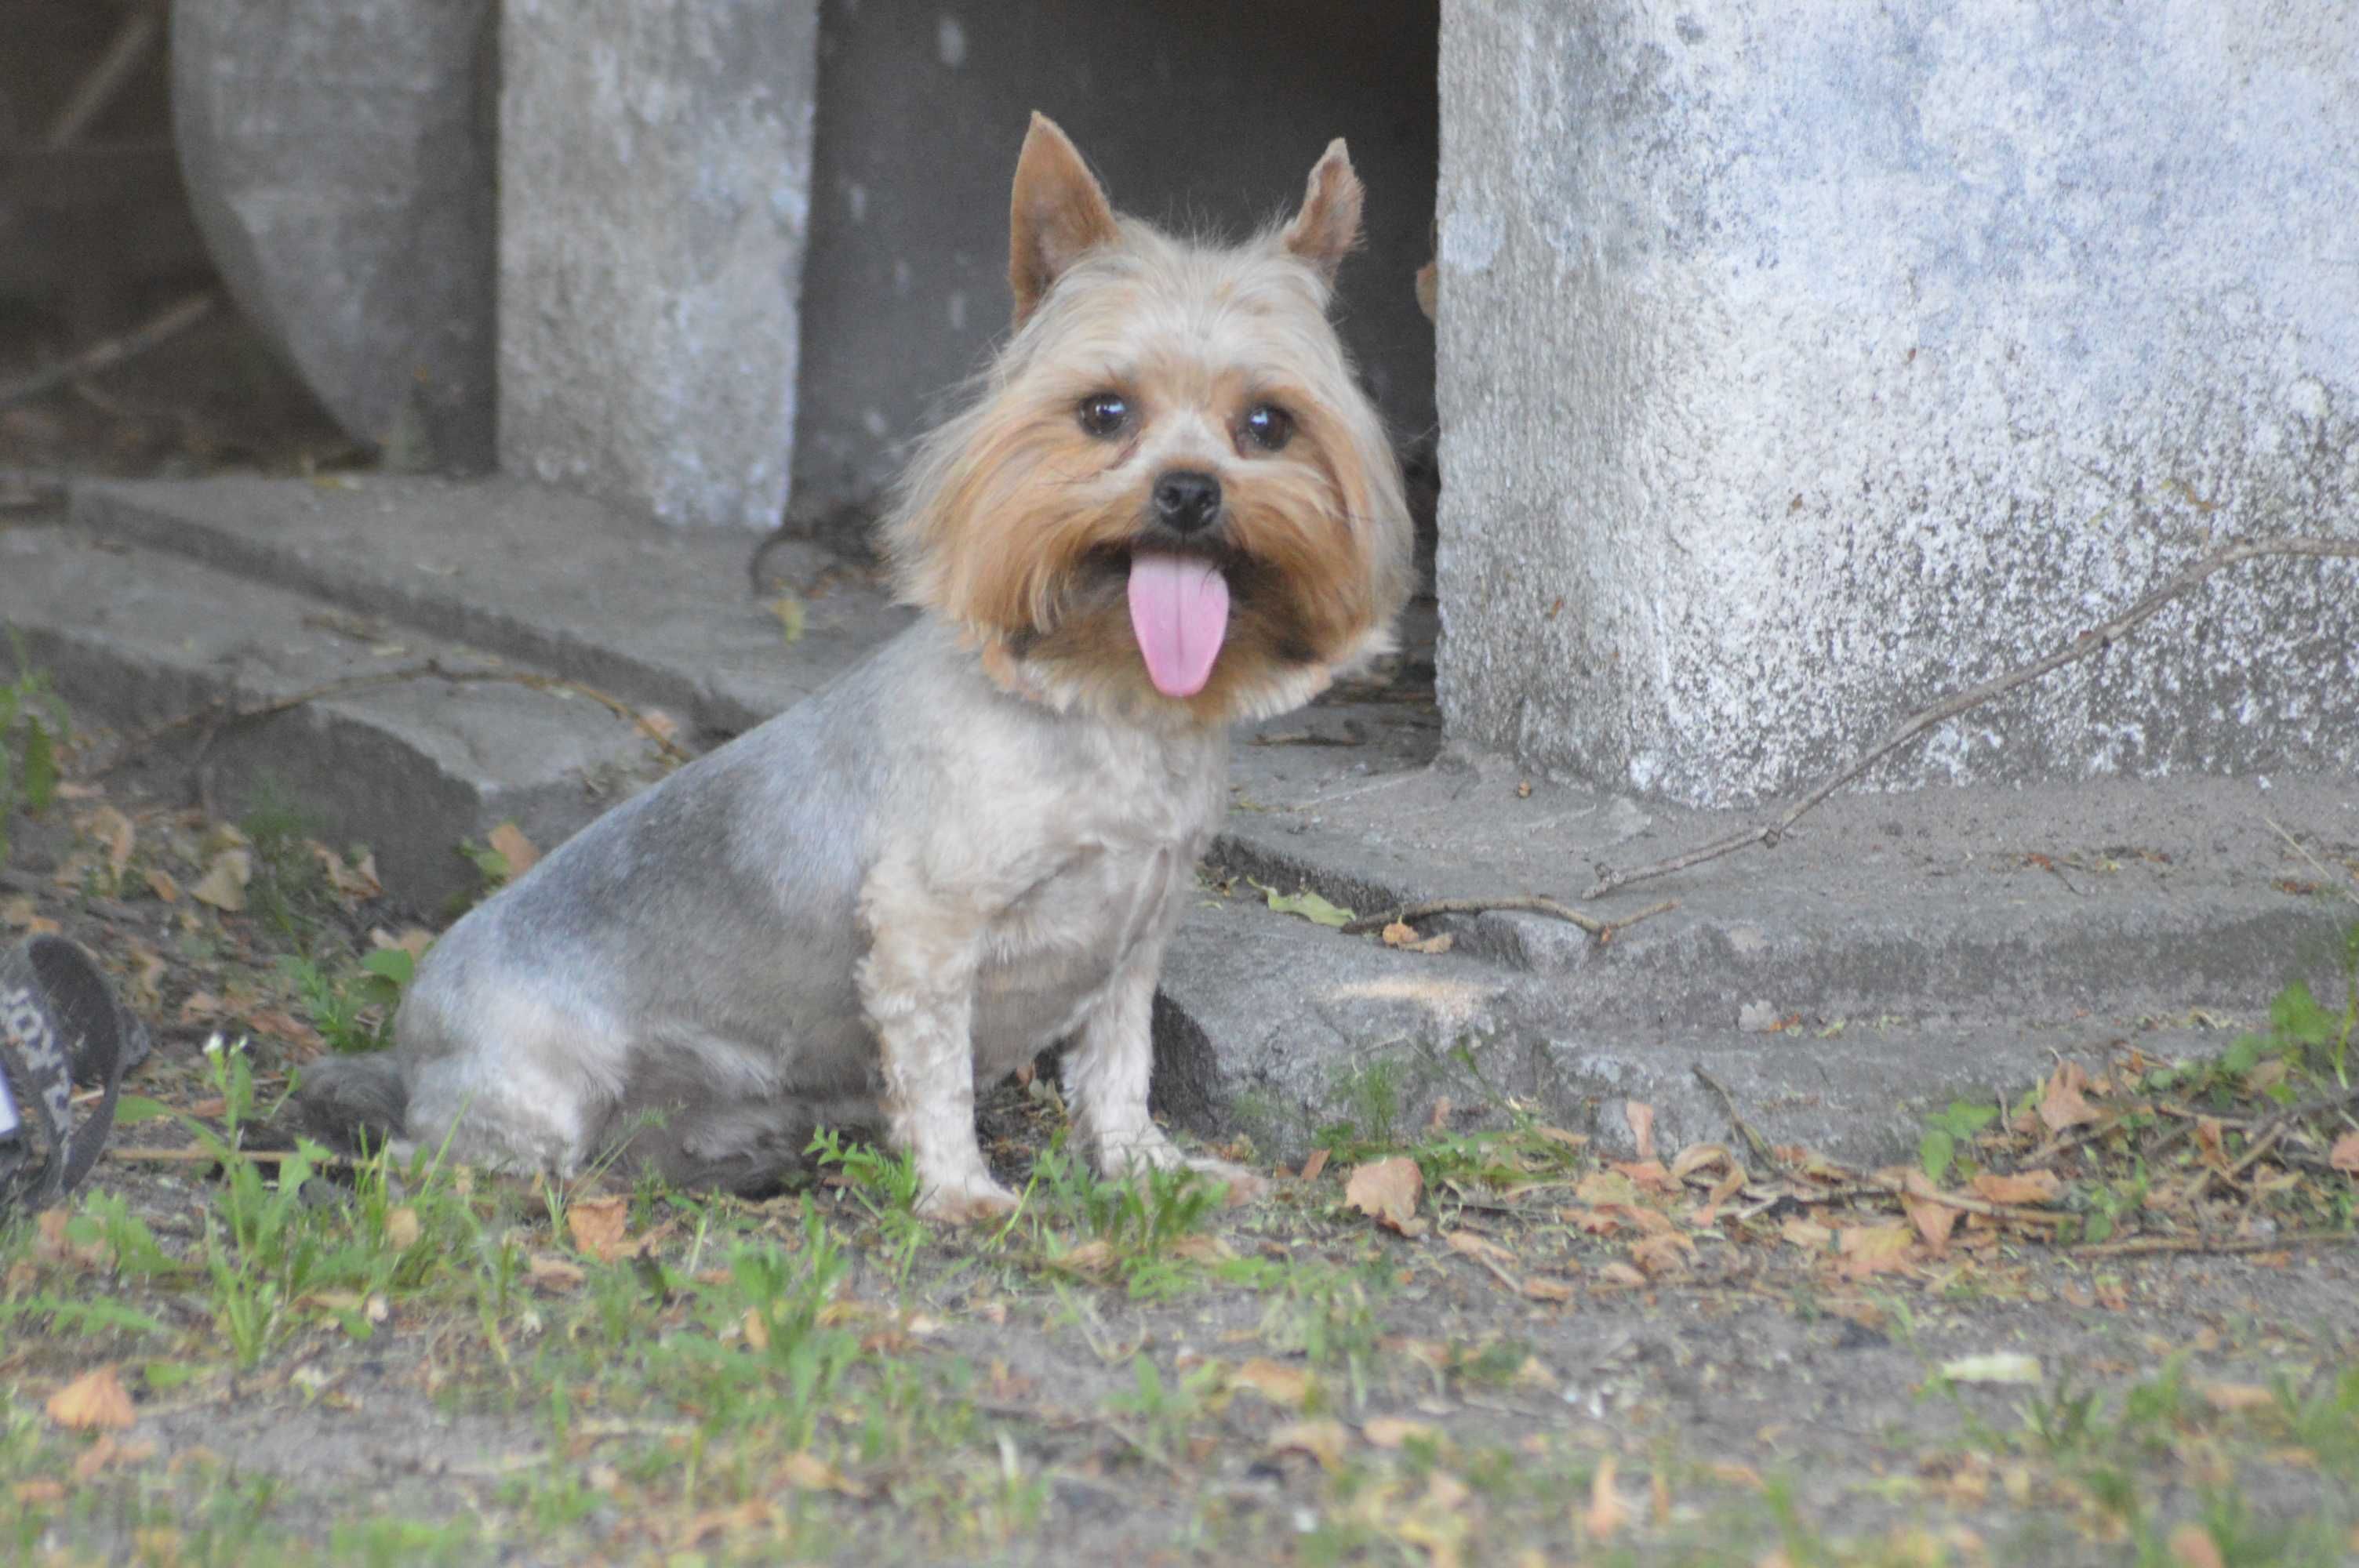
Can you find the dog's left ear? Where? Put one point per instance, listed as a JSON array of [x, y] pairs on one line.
[[1329, 223], [1058, 214]]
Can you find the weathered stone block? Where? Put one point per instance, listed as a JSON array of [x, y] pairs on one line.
[[339, 158], [1800, 363], [654, 174]]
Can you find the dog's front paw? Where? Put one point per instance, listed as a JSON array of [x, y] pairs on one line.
[[973, 1200]]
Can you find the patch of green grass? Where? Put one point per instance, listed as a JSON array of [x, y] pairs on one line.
[[1326, 1314], [288, 893], [33, 721], [1147, 1231]]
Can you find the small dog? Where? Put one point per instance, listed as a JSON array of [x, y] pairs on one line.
[[1170, 506]]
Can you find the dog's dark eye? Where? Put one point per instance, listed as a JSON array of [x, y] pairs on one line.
[[1105, 413], [1269, 426]]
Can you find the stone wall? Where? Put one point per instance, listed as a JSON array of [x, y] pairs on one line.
[[1800, 362]]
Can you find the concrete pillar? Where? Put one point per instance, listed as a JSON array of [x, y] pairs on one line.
[[1800, 362], [654, 200]]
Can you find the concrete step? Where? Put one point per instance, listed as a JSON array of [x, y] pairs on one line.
[[667, 617], [136, 637], [1977, 904]]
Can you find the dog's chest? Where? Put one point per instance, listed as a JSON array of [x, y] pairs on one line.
[[1053, 952]]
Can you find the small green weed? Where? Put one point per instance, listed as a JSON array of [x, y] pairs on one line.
[[1143, 1230], [1936, 1146]]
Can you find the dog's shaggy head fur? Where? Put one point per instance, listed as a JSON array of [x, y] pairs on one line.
[[1181, 407]]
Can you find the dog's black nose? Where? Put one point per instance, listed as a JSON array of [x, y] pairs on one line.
[[1186, 501]]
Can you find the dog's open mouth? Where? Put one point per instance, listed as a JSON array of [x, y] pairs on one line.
[[1180, 613]]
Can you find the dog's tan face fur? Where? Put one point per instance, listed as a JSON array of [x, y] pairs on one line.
[[1137, 356]]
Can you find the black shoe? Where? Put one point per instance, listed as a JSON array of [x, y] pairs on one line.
[[60, 1022]]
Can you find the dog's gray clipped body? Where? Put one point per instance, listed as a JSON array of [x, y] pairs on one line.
[[683, 977]]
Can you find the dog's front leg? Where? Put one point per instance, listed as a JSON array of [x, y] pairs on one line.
[[1107, 1076], [917, 987]]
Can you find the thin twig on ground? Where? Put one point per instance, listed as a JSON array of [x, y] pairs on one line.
[[2094, 641], [2216, 1244], [1526, 903], [161, 329], [1762, 1149], [219, 714]]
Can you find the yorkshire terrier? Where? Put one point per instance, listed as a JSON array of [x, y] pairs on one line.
[[1169, 506]]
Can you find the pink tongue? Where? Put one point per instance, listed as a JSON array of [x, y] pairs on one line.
[[1180, 612]]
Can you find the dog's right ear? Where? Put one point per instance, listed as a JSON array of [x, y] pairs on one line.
[[1058, 215]]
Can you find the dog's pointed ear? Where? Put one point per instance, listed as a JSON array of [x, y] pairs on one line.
[[1329, 224], [1058, 215]]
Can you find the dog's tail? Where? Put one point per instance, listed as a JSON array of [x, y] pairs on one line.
[[348, 1101]]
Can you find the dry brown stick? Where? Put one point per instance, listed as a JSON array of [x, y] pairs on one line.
[[1519, 904], [1528, 903], [1762, 1149], [2225, 1244], [167, 324], [2088, 642], [218, 711]]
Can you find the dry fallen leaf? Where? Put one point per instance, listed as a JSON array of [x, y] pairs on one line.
[[1093, 1258], [2344, 1155], [352, 884], [411, 939], [1324, 1441], [1316, 1163], [1641, 1118], [597, 1225], [1280, 1385], [1933, 1219], [401, 1228], [518, 850], [161, 884], [1388, 1190], [223, 883], [807, 1472], [106, 1451], [1402, 935], [1392, 1431], [1874, 1248], [1606, 1513], [2191, 1546], [1479, 1247], [2238, 1397], [2061, 1103], [2030, 1187], [93, 1402], [547, 1274], [1540, 1288]]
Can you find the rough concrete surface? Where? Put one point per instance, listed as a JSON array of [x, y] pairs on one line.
[[1203, 116], [339, 158], [135, 639], [654, 201], [553, 579], [1799, 365]]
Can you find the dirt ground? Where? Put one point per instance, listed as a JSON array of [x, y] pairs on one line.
[[2110, 1321]]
